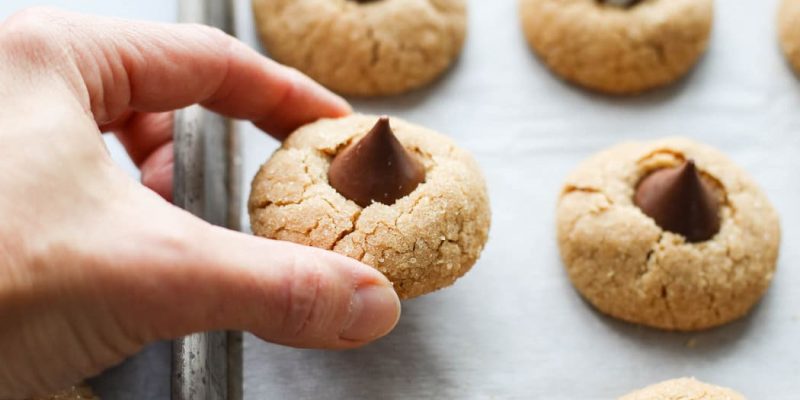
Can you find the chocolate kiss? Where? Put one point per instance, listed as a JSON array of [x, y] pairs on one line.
[[621, 3], [376, 168], [680, 201]]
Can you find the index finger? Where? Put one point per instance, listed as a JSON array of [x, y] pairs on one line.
[[156, 67]]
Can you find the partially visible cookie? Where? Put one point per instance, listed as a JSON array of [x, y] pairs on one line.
[[683, 389], [789, 31], [637, 259], [79, 392], [618, 49], [364, 48], [399, 197]]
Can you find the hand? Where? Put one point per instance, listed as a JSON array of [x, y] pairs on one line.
[[94, 265]]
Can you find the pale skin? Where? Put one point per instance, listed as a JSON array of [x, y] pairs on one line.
[[94, 265]]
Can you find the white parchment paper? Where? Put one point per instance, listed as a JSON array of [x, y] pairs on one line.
[[514, 327]]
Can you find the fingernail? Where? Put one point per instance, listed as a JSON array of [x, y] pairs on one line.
[[374, 311]]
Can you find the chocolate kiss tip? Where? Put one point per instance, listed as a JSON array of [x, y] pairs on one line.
[[680, 201], [376, 168], [383, 126]]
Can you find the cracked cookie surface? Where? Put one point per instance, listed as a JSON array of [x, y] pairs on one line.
[[789, 31], [683, 389], [423, 242], [628, 267], [374, 48], [618, 50]]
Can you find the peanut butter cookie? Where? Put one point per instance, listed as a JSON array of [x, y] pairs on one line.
[[619, 46], [669, 234], [364, 48], [683, 389], [401, 198]]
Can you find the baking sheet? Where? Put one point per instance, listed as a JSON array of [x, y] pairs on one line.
[[514, 327]]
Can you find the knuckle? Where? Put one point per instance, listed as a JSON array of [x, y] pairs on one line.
[[175, 238], [213, 34], [305, 288], [283, 91], [34, 16], [31, 31], [31, 22]]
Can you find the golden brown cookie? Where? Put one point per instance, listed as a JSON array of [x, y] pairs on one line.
[[364, 48], [789, 31], [80, 392], [618, 49], [422, 242], [629, 267], [683, 389]]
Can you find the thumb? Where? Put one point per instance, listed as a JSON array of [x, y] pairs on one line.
[[186, 276]]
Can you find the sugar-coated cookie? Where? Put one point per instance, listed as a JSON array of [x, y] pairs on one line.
[[364, 48], [669, 234], [618, 47], [789, 31], [401, 198], [683, 389]]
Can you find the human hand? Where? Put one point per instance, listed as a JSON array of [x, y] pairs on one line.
[[92, 264]]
